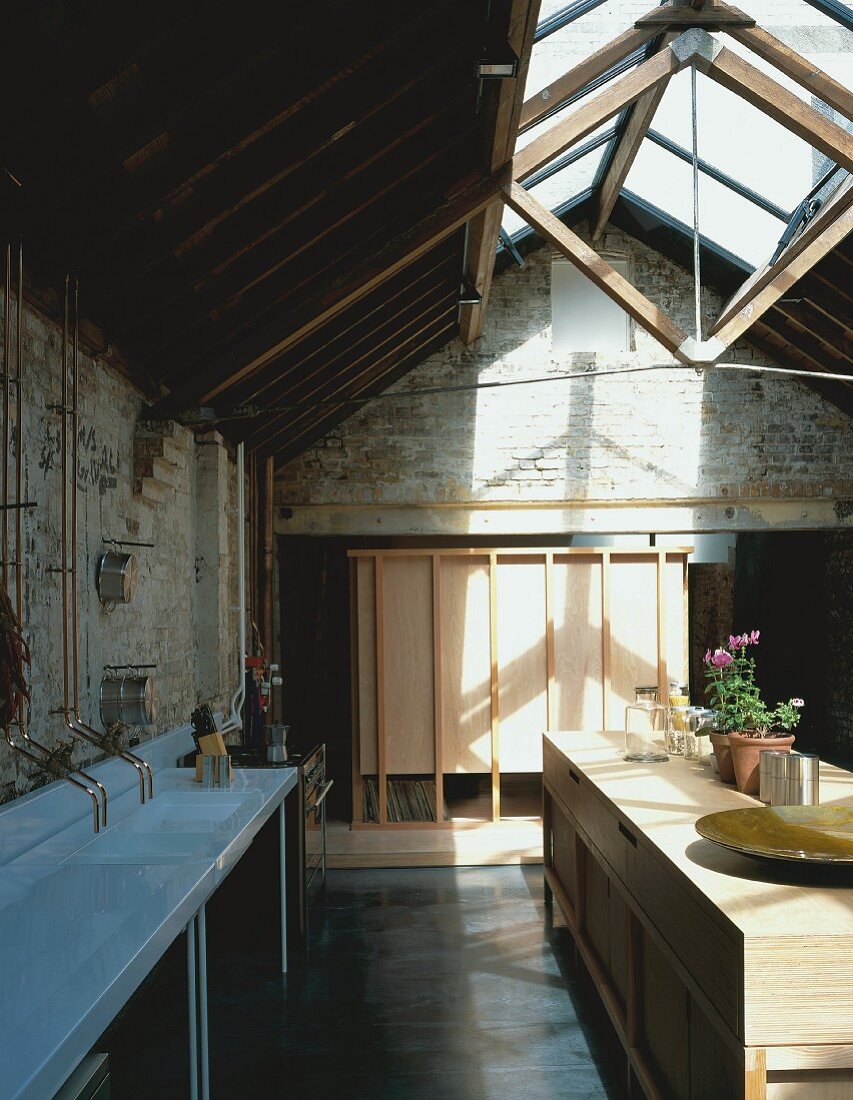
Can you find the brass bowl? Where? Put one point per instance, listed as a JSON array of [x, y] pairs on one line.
[[802, 834]]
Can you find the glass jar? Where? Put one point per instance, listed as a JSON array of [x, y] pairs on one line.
[[678, 728], [646, 727]]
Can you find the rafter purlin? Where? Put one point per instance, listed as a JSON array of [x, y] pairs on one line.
[[268, 342], [646, 313], [484, 227], [767, 285]]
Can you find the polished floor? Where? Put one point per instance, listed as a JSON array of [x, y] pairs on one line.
[[425, 982]]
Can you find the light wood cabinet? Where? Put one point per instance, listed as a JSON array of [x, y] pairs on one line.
[[461, 658], [724, 977]]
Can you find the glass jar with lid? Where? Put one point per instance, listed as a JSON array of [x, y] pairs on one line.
[[646, 727]]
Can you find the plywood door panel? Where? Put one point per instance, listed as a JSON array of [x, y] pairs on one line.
[[664, 1026], [466, 665], [576, 595], [632, 597], [366, 648], [522, 662], [407, 622], [675, 603], [564, 851]]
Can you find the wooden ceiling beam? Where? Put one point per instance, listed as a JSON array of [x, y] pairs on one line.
[[349, 326], [570, 83], [829, 357], [832, 223], [769, 343], [187, 339], [277, 233], [348, 384], [320, 131], [653, 319], [797, 68], [391, 373], [267, 343], [782, 105], [500, 118], [595, 112], [681, 17], [306, 378], [837, 336]]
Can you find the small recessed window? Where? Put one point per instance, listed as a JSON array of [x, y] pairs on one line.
[[583, 318]]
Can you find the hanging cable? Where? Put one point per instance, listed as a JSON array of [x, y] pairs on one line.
[[697, 277]]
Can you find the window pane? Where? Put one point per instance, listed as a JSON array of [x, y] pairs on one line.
[[560, 187]]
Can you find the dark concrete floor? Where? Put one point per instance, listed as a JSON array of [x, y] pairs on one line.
[[434, 982]]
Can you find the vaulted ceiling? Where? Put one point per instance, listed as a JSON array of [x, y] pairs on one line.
[[271, 208]]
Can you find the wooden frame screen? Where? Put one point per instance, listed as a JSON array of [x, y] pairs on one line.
[[462, 658]]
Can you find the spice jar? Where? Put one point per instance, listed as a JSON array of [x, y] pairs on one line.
[[646, 727]]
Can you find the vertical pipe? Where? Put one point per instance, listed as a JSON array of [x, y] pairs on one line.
[[697, 274], [63, 446], [7, 337], [19, 464], [265, 522], [75, 339], [239, 695], [192, 1009]]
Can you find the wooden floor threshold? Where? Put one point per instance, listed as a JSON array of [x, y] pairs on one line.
[[503, 843]]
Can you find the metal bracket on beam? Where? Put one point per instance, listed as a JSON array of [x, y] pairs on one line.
[[701, 352], [697, 45]]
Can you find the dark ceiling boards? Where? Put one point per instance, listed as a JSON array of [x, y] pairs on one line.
[[266, 204]]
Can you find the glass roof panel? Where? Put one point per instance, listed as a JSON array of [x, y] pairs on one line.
[[731, 221]]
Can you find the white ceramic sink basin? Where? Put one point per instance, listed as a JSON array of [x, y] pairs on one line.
[[175, 827]]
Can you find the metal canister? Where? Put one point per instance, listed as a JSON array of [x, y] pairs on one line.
[[769, 773], [802, 780], [207, 774]]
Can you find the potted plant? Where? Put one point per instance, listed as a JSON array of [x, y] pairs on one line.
[[746, 725]]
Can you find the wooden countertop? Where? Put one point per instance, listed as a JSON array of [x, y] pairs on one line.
[[663, 801]]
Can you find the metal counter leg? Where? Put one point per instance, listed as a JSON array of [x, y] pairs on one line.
[[283, 884], [192, 1009], [204, 1055]]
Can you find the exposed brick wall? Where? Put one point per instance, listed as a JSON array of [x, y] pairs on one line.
[[658, 436], [711, 589], [159, 626]]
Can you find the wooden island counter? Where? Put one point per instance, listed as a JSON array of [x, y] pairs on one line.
[[724, 976]]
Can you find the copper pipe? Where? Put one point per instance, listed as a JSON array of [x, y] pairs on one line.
[[73, 719], [47, 761]]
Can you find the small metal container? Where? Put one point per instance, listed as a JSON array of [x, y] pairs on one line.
[[224, 772], [207, 773], [769, 773], [129, 699], [802, 779], [116, 577]]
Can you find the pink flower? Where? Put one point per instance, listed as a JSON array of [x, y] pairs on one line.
[[707, 657], [734, 641], [754, 636], [797, 703], [721, 658]]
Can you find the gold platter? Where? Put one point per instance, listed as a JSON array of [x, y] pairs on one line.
[[806, 834]]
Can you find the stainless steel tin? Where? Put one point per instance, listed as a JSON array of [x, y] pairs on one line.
[[130, 699], [768, 774], [802, 782], [224, 772], [207, 773], [116, 577]]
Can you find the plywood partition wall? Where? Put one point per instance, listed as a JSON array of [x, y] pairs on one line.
[[462, 658]]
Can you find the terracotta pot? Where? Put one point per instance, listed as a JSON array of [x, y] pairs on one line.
[[745, 751], [722, 751]]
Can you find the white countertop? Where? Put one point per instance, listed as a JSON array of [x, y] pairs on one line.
[[77, 938]]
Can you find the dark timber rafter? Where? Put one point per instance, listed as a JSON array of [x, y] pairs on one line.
[[484, 227]]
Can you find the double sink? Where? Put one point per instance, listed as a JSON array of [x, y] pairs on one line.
[[177, 826]]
